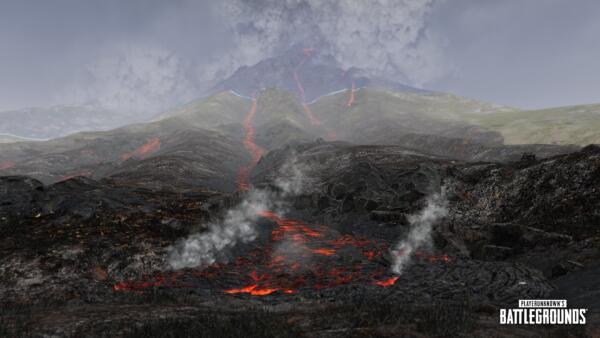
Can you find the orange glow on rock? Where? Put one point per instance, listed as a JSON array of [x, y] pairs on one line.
[[324, 252], [387, 282], [351, 98], [149, 147], [85, 173], [255, 290], [255, 151], [311, 116], [6, 165]]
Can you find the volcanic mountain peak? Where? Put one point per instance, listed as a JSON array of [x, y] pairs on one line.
[[310, 73]]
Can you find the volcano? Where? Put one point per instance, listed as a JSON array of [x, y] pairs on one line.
[[344, 168], [321, 74]]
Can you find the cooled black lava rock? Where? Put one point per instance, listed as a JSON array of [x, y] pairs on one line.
[[20, 196]]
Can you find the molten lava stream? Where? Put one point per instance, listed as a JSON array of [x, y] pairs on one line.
[[314, 120], [255, 151], [151, 146], [84, 173], [351, 98], [147, 282], [309, 260], [432, 258], [311, 116], [387, 282]]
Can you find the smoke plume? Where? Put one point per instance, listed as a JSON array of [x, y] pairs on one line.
[[135, 79], [239, 223], [385, 38], [420, 232], [205, 248]]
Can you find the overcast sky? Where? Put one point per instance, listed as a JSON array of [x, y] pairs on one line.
[[151, 54]]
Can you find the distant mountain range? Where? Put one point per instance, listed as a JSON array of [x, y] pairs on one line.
[[57, 121]]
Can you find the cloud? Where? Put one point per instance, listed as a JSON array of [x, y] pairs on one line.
[[386, 38], [136, 79]]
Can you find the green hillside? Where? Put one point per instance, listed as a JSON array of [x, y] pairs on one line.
[[564, 125], [220, 109], [438, 113], [6, 138]]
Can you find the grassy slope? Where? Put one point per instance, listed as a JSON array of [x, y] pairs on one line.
[[564, 125], [412, 112], [5, 138], [206, 114], [221, 108]]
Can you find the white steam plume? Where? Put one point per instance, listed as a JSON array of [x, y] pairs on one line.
[[291, 177], [384, 37], [420, 233], [238, 225], [204, 248]]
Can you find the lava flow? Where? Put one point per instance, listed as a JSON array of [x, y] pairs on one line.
[[387, 282], [351, 98], [255, 151], [309, 256], [85, 173], [6, 165], [331, 135], [311, 116], [151, 146]]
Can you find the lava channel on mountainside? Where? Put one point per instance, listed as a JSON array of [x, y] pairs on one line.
[[351, 98], [6, 165], [314, 120], [255, 151], [311, 116], [153, 145]]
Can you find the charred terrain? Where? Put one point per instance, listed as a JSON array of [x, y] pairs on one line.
[[102, 232]]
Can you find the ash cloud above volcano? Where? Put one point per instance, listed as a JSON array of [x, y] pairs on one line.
[[101, 50], [385, 38]]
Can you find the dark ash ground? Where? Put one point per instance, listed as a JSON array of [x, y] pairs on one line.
[[525, 229]]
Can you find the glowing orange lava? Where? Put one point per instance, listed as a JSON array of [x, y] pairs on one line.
[[310, 259], [255, 290], [255, 151], [149, 147], [166, 280], [85, 173], [387, 282], [324, 252], [432, 258], [311, 116], [351, 98]]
